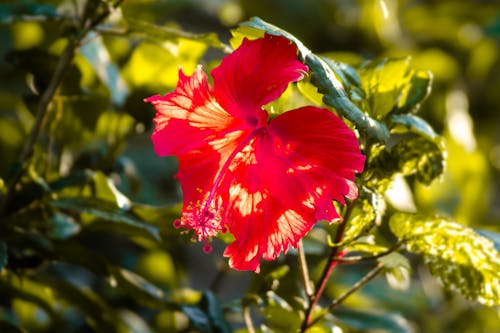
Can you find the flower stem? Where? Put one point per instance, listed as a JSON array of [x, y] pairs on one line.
[[304, 270], [248, 320], [331, 263], [358, 285]]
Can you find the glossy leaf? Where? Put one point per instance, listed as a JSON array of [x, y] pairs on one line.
[[460, 258], [415, 124]]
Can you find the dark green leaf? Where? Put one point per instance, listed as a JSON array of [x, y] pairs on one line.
[[415, 124], [6, 327], [328, 84], [119, 220], [460, 258], [99, 314], [138, 288], [213, 308], [198, 318], [62, 226], [3, 255], [361, 320], [10, 12]]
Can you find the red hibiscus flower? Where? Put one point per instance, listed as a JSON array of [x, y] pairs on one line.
[[267, 182]]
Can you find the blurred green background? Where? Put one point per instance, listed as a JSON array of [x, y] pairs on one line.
[[99, 122]]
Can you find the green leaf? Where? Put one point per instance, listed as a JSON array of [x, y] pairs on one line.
[[97, 54], [118, 220], [163, 33], [410, 155], [107, 191], [213, 308], [397, 270], [370, 321], [62, 226], [3, 256], [460, 258], [362, 219], [493, 236], [328, 84], [10, 12], [415, 92], [101, 316], [279, 314], [383, 83], [420, 157], [392, 85], [7, 327], [415, 124], [141, 290], [198, 318]]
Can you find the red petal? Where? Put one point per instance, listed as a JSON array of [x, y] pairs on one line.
[[255, 74], [191, 125], [285, 180], [189, 117]]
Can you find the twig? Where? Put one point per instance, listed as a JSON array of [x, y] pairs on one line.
[[46, 99], [304, 271], [248, 320], [358, 285], [331, 263], [357, 259]]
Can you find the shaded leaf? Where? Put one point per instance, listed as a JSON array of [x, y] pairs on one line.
[[198, 318], [107, 191], [119, 220], [460, 258], [3, 255], [213, 308], [166, 33], [99, 314], [97, 54], [7, 327], [62, 226], [15, 11], [361, 320], [139, 289]]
